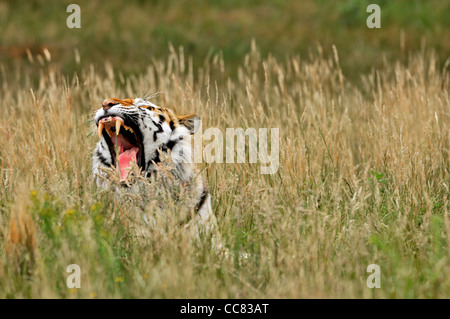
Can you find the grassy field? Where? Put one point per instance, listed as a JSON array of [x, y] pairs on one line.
[[364, 170], [130, 34]]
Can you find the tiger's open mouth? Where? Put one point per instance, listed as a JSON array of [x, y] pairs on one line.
[[124, 142]]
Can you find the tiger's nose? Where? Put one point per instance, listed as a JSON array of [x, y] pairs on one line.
[[108, 103]]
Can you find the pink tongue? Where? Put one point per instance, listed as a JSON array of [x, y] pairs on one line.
[[125, 161]]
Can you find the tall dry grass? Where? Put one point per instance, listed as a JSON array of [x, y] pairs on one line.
[[363, 179]]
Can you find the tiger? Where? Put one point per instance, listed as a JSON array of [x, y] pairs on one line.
[[134, 131]]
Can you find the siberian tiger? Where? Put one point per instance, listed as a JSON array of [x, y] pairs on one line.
[[137, 132]]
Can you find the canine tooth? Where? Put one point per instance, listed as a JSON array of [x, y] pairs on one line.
[[100, 129], [118, 125]]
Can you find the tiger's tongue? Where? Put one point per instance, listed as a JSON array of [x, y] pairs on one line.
[[125, 159]]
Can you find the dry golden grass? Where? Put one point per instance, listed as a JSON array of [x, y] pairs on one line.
[[363, 179]]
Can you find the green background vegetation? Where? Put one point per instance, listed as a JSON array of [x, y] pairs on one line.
[[129, 34]]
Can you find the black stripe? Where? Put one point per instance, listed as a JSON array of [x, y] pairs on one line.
[[150, 163], [155, 133], [202, 200], [171, 144], [155, 159], [161, 118], [103, 144], [102, 159]]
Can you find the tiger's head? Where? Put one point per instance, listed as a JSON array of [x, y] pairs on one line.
[[136, 130]]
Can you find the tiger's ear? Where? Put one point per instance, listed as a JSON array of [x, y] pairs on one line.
[[191, 121]]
